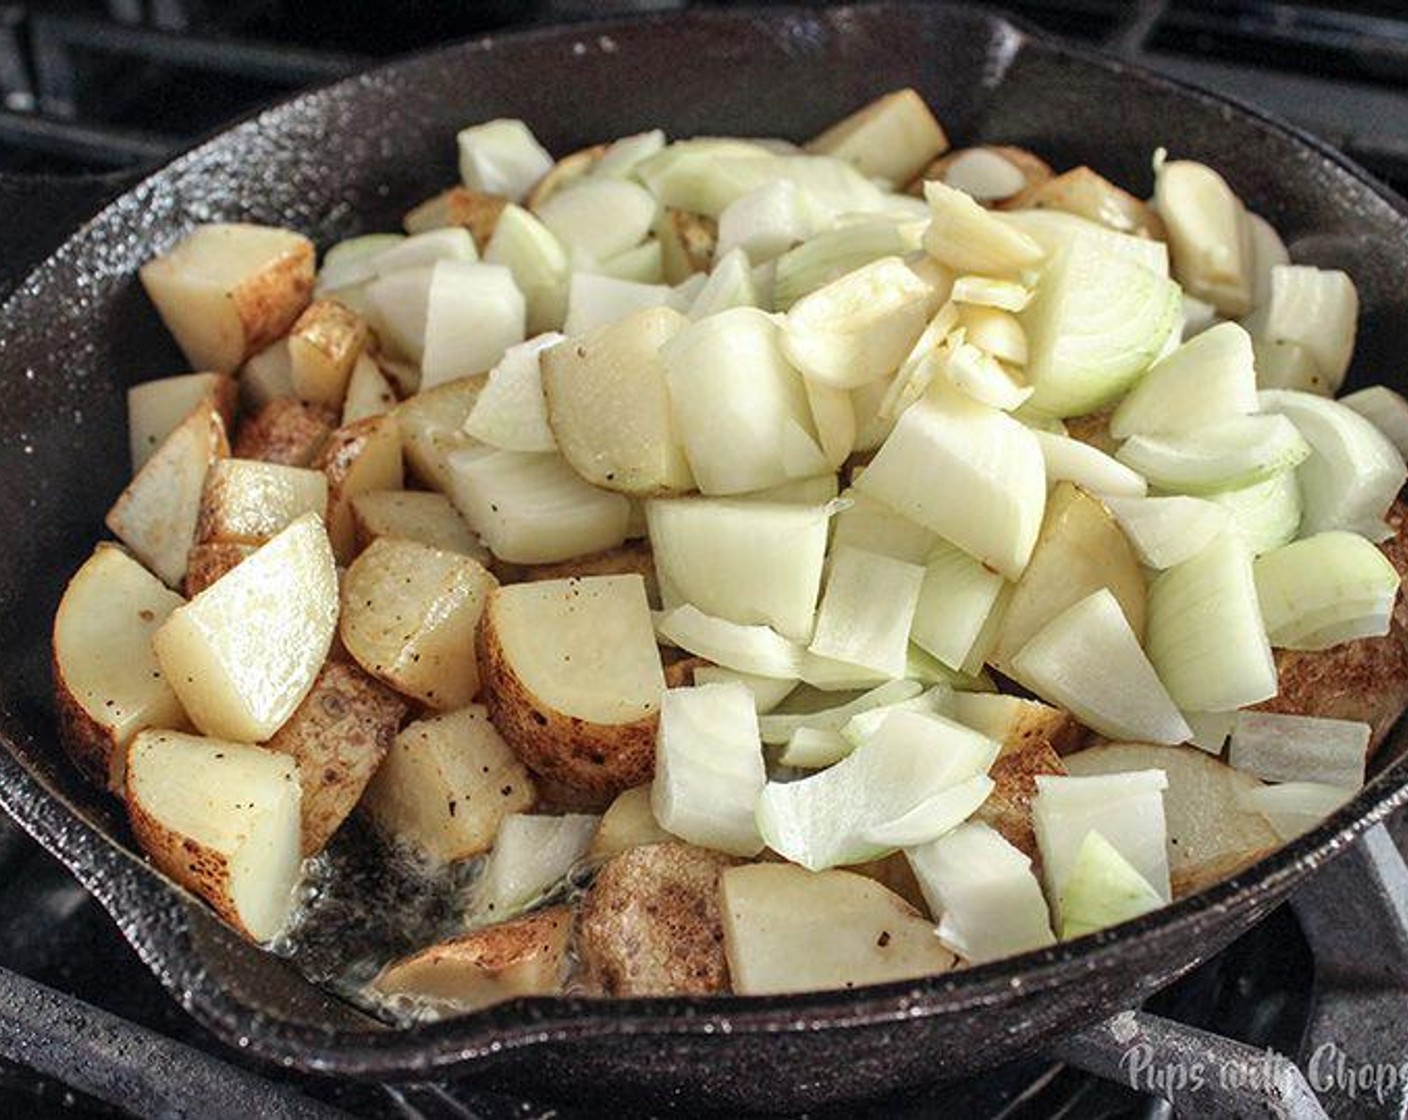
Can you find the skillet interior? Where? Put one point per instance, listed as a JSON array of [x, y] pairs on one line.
[[351, 158]]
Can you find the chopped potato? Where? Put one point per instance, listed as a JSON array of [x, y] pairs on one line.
[[686, 243], [1009, 807], [266, 376], [628, 823], [221, 818], [156, 408], [1017, 723], [523, 957], [226, 291], [156, 515], [432, 428], [409, 613], [563, 172], [892, 138], [414, 515], [357, 459], [107, 683], [338, 737], [631, 557], [369, 393], [285, 431], [323, 346], [447, 783], [894, 873], [459, 206], [1086, 193], [207, 562], [246, 501], [650, 924]]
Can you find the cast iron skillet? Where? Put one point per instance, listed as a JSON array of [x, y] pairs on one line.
[[351, 158]]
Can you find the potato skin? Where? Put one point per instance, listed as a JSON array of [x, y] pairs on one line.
[[1008, 808], [651, 924], [87, 743], [270, 302], [594, 758], [338, 737], [285, 431], [209, 561]]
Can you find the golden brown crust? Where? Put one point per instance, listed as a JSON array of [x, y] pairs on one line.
[[210, 560], [679, 667], [1094, 429], [555, 798], [334, 330], [1009, 808], [285, 431], [594, 758], [651, 924], [338, 737], [564, 171], [340, 456], [1035, 169], [476, 211], [225, 396], [270, 301]]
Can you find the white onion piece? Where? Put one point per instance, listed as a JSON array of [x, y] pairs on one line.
[[599, 217], [829, 675], [709, 769], [1197, 317], [1225, 455], [684, 294], [921, 365], [531, 856], [1070, 460], [643, 264], [1315, 308], [757, 650], [957, 597], [866, 610], [932, 817], [623, 156], [1204, 632], [730, 284], [1055, 230], [923, 666], [995, 332], [1325, 589], [350, 262], [1168, 531], [984, 291], [1386, 410], [984, 174], [594, 300], [859, 327], [982, 377], [994, 493], [1294, 808], [983, 892], [815, 491], [746, 561], [870, 524], [1277, 747], [510, 411], [1103, 889], [766, 222], [935, 700], [1087, 659], [453, 243], [734, 394], [1128, 811], [1210, 729], [501, 157], [965, 237], [872, 427], [820, 821], [767, 692], [779, 727], [539, 264], [799, 450], [474, 313], [1265, 514], [1207, 233], [832, 254], [1355, 473], [814, 748], [1209, 378], [691, 175]]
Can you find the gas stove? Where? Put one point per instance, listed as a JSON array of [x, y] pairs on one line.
[[1305, 1016]]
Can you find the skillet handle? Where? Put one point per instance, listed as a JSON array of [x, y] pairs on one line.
[[37, 212]]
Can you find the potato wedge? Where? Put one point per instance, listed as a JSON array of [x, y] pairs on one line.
[[244, 652], [459, 206], [246, 501], [323, 346], [563, 172], [221, 819], [1009, 807], [156, 408], [894, 873], [523, 957], [787, 929], [226, 291], [156, 515], [409, 614], [966, 168], [572, 678], [1090, 195], [266, 376], [414, 515], [629, 822], [285, 431], [446, 785], [1210, 836], [633, 557], [207, 562], [557, 799], [107, 683], [686, 243], [650, 924], [892, 138], [338, 737], [1018, 724], [432, 428], [609, 407], [357, 459], [369, 393]]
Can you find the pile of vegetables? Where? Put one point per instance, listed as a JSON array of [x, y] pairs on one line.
[[916, 555]]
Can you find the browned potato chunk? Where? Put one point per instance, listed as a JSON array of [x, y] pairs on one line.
[[266, 376], [1009, 807], [414, 515], [458, 206], [446, 785], [359, 458], [894, 873], [408, 618], [107, 683], [628, 823], [156, 408], [650, 924], [226, 291], [338, 737], [432, 428], [286, 431], [369, 393], [564, 171], [631, 557], [891, 138], [209, 561], [246, 501], [156, 515], [523, 957], [1018, 724], [572, 678], [323, 346], [686, 243], [1090, 195], [556, 799]]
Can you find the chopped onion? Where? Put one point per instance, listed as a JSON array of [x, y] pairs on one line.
[[1326, 589], [734, 394], [599, 217], [815, 491], [872, 427], [1197, 317], [821, 821], [1355, 473], [870, 524], [452, 243], [594, 300], [510, 411], [643, 264], [745, 561], [501, 157], [1208, 234], [1087, 659], [709, 769], [866, 610], [829, 675], [995, 332], [982, 377], [983, 892], [1168, 531], [531, 856], [861, 726], [832, 254], [994, 489], [757, 650], [684, 294], [814, 748], [350, 261], [474, 312], [1386, 410], [766, 222], [1210, 729], [623, 156], [922, 364], [691, 174], [539, 264], [983, 291], [1209, 378], [1277, 747], [1294, 808], [923, 666], [1070, 460], [932, 817], [1054, 230], [1225, 455], [730, 284], [1204, 632], [1266, 514], [779, 727], [1103, 890], [957, 597], [965, 237], [767, 692], [1315, 308]]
